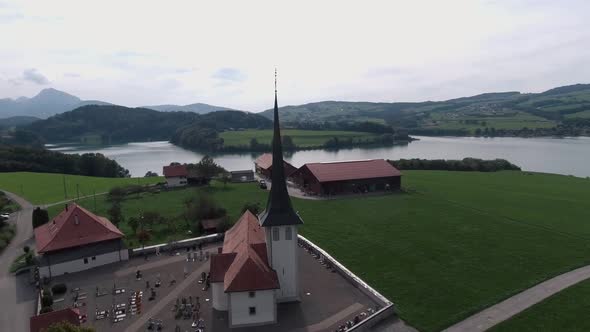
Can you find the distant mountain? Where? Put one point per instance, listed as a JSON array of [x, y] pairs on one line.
[[14, 121], [45, 104], [198, 108]]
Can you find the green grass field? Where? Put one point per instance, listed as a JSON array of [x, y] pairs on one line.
[[45, 188], [301, 138], [453, 244], [565, 311], [520, 120], [583, 115]]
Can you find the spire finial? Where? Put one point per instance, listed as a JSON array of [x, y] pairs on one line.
[[275, 80]]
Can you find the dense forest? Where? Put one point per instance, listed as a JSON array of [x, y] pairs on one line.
[[35, 159]]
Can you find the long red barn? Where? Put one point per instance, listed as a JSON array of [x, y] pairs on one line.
[[357, 176]]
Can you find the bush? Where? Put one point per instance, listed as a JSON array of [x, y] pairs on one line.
[[46, 310], [40, 217], [46, 300], [3, 244], [59, 288]]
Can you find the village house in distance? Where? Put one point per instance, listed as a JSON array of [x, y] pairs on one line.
[[176, 175], [257, 267], [77, 240], [263, 165]]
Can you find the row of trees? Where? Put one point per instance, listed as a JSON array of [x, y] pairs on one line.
[[34, 159], [466, 164]]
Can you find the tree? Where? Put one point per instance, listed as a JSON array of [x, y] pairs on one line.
[[150, 174], [134, 224], [40, 217], [225, 178], [143, 236], [208, 168], [288, 144], [115, 213], [67, 327]]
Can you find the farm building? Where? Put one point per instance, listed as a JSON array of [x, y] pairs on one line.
[[332, 178], [264, 166], [242, 176], [176, 175], [77, 240]]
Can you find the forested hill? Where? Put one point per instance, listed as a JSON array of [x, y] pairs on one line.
[[559, 111], [117, 124]]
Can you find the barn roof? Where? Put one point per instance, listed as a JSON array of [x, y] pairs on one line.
[[264, 161], [43, 321], [73, 227], [175, 170], [352, 170], [243, 264]]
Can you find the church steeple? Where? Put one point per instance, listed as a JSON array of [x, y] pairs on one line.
[[279, 211]]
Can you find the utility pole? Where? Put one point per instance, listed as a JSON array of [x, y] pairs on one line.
[[78, 191], [94, 200]]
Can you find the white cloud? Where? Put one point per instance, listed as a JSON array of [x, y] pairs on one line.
[[224, 53], [33, 75]]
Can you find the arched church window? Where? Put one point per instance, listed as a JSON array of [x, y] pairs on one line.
[[275, 234], [288, 233]]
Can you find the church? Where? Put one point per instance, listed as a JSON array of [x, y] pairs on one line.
[[257, 267]]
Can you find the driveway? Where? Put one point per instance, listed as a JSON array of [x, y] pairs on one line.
[[17, 296]]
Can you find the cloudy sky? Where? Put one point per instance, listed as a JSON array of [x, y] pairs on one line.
[[224, 53]]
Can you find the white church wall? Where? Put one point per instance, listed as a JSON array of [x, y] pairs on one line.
[[284, 261], [219, 296], [241, 302]]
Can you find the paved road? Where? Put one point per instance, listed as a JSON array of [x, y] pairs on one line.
[[17, 297], [521, 301]]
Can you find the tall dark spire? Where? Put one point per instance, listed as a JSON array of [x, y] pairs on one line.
[[279, 210]]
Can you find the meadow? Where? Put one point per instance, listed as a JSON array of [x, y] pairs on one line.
[[449, 245], [46, 188], [301, 138], [565, 311], [518, 121]]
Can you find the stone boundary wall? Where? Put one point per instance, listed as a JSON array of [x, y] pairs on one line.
[[186, 243], [387, 307]]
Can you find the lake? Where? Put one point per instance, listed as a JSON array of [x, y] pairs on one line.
[[569, 156]]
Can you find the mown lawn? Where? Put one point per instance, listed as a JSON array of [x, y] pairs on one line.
[[565, 311], [45, 188], [301, 138], [452, 244]]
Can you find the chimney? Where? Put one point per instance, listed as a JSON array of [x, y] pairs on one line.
[[76, 220], [66, 206]]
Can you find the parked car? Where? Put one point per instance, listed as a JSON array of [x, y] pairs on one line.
[[262, 184], [4, 216]]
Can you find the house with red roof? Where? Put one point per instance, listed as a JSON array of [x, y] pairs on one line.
[[77, 240], [176, 175], [263, 166], [342, 177], [41, 322]]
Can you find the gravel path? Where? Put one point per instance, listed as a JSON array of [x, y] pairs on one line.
[[17, 296], [502, 311]]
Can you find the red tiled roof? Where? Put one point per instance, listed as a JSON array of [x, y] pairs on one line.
[[352, 170], [43, 321], [74, 227], [176, 170], [243, 264], [264, 161]]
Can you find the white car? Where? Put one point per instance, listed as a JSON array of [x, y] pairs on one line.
[[4, 216]]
